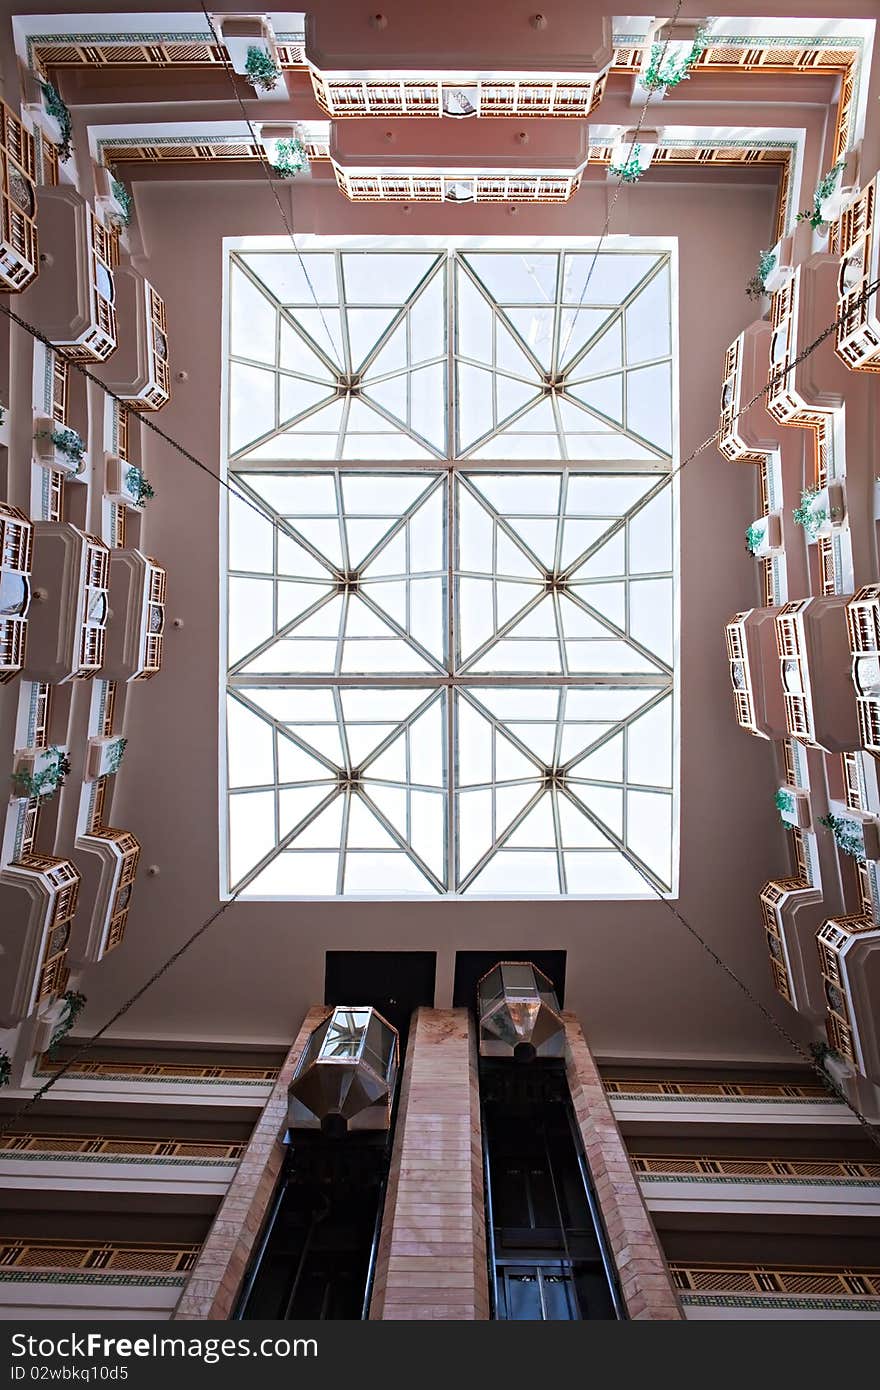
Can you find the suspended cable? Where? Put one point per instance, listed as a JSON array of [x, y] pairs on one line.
[[604, 233], [192, 458], [268, 171]]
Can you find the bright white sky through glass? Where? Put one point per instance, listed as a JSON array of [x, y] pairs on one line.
[[450, 604]]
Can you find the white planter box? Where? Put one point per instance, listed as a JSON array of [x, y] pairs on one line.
[[836, 204], [771, 541], [47, 1023], [241, 34], [47, 453], [870, 828], [118, 488], [779, 276], [31, 762], [49, 125], [799, 815], [101, 757], [832, 501]]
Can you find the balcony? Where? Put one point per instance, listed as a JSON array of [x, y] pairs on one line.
[[107, 860], [863, 626], [38, 897], [849, 956], [760, 1291], [138, 373], [19, 258], [746, 431], [16, 546], [814, 658], [137, 598], [491, 70], [754, 673], [73, 300], [806, 392], [858, 334], [121, 1278], [465, 185], [67, 628], [792, 912]]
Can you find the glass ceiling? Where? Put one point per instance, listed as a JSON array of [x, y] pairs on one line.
[[450, 597]]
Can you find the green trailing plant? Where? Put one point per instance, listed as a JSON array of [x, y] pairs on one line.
[[68, 443], [808, 516], [823, 1051], [56, 106], [667, 70], [46, 783], [5, 1068], [784, 801], [754, 537], [138, 486], [75, 1003], [824, 188], [630, 171], [757, 285], [846, 837], [115, 755], [261, 70], [290, 158], [123, 198]]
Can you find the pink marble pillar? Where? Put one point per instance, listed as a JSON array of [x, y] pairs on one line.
[[644, 1276], [431, 1262]]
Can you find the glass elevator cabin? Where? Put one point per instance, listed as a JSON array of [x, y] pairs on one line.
[[316, 1255], [549, 1258]]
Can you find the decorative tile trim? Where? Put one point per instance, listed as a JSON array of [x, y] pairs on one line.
[[97, 1276], [733, 1300]]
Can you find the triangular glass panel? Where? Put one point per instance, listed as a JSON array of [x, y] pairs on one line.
[[365, 328], [296, 803], [604, 395], [603, 765], [536, 830], [576, 328], [251, 404], [606, 355], [515, 277], [649, 404], [535, 327], [388, 277], [299, 355]]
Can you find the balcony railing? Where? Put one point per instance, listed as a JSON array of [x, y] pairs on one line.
[[109, 1255], [785, 1279], [726, 1090], [111, 1146], [774, 1169], [160, 1071]]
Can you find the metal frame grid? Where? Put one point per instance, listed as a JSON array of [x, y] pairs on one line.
[[368, 580]]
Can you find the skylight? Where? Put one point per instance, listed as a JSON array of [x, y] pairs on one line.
[[450, 599]]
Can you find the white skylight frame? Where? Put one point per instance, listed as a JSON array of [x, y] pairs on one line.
[[452, 474]]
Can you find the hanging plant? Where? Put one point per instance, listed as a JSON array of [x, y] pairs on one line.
[[261, 70], [290, 158], [812, 519], [57, 107], [49, 781], [757, 285], [824, 188], [846, 836], [114, 756], [140, 489], [123, 198], [754, 537], [784, 801], [75, 1003], [68, 443], [630, 171], [667, 70], [5, 1068]]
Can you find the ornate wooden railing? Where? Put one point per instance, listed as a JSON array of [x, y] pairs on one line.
[[785, 1279], [678, 1165], [108, 1255], [108, 1145], [773, 1090]]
